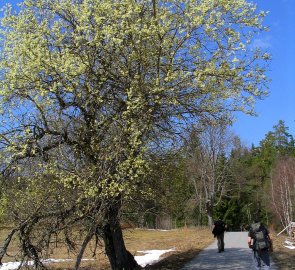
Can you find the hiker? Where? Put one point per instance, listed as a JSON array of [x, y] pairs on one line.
[[218, 231], [259, 240]]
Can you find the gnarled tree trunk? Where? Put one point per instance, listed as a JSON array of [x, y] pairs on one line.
[[120, 258]]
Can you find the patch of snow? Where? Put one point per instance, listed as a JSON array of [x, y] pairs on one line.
[[15, 265], [12, 265], [150, 257], [289, 247], [289, 244]]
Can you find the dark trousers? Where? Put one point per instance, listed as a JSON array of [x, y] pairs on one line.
[[220, 242], [261, 260]]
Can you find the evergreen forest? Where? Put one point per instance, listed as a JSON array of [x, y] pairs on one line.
[[211, 175]]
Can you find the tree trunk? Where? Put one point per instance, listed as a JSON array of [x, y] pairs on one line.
[[119, 257], [210, 220], [209, 210], [87, 239], [6, 243]]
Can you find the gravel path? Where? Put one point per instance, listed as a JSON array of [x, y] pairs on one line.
[[237, 255]]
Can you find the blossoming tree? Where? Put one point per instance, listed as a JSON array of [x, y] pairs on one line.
[[87, 85]]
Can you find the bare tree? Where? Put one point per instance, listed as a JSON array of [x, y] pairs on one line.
[[207, 165], [283, 190]]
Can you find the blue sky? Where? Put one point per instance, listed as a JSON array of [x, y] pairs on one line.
[[280, 42], [280, 105]]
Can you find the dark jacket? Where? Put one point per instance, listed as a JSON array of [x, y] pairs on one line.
[[219, 228]]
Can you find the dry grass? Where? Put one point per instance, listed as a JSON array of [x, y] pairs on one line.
[[284, 257], [187, 243]]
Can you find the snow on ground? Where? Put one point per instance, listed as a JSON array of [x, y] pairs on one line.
[[289, 244], [150, 257], [15, 265]]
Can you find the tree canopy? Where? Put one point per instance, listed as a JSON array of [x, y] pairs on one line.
[[87, 86]]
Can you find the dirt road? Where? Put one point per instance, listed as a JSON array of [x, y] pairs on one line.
[[237, 255]]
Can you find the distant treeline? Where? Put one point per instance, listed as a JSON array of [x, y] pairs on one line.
[[212, 175]]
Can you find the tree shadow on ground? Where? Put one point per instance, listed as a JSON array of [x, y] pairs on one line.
[[232, 258], [174, 261]]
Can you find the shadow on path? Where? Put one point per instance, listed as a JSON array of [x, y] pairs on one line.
[[231, 258], [236, 256], [174, 261]]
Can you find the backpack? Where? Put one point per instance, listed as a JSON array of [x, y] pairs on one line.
[[260, 236], [218, 228]]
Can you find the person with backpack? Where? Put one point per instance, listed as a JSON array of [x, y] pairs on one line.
[[259, 240], [218, 231]]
